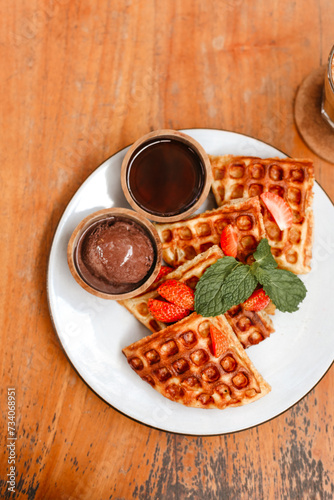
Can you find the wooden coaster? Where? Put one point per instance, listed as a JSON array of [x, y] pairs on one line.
[[317, 134]]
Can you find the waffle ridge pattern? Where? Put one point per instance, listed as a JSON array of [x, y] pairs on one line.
[[182, 241], [178, 363], [292, 179]]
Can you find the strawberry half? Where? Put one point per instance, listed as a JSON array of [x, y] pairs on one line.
[[164, 270], [257, 301], [177, 293], [219, 341], [165, 311], [229, 241], [278, 208]]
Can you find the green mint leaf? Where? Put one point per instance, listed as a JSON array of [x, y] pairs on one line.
[[284, 288], [220, 269], [208, 293], [225, 284], [263, 255], [209, 299], [238, 286], [228, 283]]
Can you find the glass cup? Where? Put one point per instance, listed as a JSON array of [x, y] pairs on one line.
[[327, 105]]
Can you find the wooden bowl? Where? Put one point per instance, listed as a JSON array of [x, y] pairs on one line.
[[203, 168], [123, 214]]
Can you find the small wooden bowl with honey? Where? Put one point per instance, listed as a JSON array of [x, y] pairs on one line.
[[166, 176]]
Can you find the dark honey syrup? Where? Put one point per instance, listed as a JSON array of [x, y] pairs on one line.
[[165, 177]]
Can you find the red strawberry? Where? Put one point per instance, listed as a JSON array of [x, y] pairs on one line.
[[163, 271], [219, 341], [229, 241], [165, 311], [257, 301], [177, 293], [278, 208]]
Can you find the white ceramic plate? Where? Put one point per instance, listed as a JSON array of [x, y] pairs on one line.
[[93, 331]]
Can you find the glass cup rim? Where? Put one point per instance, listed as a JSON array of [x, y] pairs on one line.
[[329, 68]]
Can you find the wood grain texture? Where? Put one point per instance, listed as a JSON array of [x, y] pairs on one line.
[[80, 81]]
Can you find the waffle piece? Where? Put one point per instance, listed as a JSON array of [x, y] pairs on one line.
[[250, 327], [178, 363], [236, 176], [189, 273], [182, 241]]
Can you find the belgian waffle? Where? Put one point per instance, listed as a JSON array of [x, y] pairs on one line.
[[178, 363], [182, 241], [250, 327], [241, 176]]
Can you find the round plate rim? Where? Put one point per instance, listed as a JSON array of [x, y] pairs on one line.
[[89, 177]]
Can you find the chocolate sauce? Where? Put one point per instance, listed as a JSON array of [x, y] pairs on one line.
[[165, 177], [115, 255]]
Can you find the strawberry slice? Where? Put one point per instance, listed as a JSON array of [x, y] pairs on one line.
[[278, 208], [165, 311], [164, 270], [229, 241], [257, 301], [219, 341], [177, 293]]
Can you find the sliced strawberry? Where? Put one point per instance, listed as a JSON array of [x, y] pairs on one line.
[[278, 208], [257, 301], [165, 311], [164, 270], [229, 241], [219, 341], [177, 293]]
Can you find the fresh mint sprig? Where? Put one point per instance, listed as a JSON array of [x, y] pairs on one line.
[[209, 295], [228, 283], [263, 256]]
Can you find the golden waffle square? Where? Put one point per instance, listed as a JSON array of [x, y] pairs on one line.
[[179, 364], [250, 327], [182, 241], [292, 179]]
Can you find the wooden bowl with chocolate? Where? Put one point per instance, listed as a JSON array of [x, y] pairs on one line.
[[114, 253]]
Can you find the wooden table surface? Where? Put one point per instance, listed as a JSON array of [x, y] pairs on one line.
[[80, 81]]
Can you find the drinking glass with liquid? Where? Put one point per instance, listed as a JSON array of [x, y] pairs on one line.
[[327, 106]]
